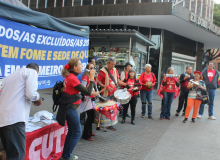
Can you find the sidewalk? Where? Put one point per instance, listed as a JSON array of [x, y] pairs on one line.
[[150, 139]]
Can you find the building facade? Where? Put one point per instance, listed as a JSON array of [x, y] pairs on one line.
[[181, 30]]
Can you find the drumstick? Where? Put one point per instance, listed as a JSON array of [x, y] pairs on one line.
[[99, 119], [102, 90]]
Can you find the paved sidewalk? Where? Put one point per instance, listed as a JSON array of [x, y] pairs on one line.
[[150, 139]]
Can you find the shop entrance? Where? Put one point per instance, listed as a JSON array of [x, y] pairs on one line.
[[180, 62]]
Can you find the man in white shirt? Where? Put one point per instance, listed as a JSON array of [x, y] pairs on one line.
[[19, 91]]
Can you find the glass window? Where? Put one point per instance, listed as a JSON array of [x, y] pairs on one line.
[[103, 26], [120, 1], [132, 27], [95, 2], [117, 26], [109, 1], [133, 1], [87, 2]]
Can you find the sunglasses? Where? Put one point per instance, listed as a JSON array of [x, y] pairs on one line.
[[92, 68]]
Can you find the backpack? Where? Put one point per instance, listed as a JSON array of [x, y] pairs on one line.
[[57, 93]]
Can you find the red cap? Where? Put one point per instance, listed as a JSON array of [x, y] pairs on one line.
[[198, 73]]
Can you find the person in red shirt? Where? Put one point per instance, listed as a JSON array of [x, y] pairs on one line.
[[87, 133], [73, 87], [108, 78], [170, 84], [147, 80], [134, 89], [124, 75]]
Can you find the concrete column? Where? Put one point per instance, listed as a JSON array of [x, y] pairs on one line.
[[206, 10], [190, 4], [196, 6], [201, 8]]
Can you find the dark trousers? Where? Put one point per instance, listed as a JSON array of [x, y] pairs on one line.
[[133, 103], [88, 125], [83, 116], [182, 98], [14, 140]]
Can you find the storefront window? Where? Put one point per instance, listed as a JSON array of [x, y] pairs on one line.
[[101, 55]]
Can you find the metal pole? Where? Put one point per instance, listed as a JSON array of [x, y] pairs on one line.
[[28, 3], [55, 3], [37, 4], [160, 58], [63, 3], [129, 55], [45, 3]]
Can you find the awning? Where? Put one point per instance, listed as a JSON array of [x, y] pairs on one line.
[[41, 20]]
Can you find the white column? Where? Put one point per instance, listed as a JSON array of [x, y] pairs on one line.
[[201, 8], [196, 6], [126, 1], [72, 2], [210, 4], [212, 9], [103, 2], [114, 1], [190, 4], [91, 2], [81, 2], [206, 9]]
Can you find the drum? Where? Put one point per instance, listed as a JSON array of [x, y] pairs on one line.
[[122, 96], [104, 120], [108, 111]]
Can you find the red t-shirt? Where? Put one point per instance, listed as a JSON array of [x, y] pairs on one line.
[[131, 82], [101, 78], [144, 78], [86, 78], [170, 85], [211, 74], [69, 83]]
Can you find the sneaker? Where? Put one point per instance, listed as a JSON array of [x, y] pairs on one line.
[[112, 128], [185, 120], [177, 114], [183, 114], [103, 129], [193, 120], [167, 118], [212, 117], [199, 116], [142, 116], [73, 157], [150, 117]]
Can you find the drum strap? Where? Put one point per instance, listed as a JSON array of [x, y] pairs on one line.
[[111, 76]]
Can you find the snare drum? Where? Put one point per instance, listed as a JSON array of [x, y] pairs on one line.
[[122, 96]]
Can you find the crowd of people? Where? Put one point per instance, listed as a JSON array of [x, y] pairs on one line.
[[23, 94]]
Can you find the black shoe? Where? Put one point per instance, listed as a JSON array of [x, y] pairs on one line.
[[132, 122], [150, 117], [177, 114], [185, 120], [123, 121], [193, 120], [128, 115]]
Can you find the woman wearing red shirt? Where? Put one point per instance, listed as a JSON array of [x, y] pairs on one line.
[[72, 86], [169, 91], [134, 87], [87, 133], [147, 80]]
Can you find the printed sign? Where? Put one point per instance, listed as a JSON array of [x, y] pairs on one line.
[[21, 44]]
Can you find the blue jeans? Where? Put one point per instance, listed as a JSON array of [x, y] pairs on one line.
[[74, 132], [168, 99], [146, 95], [211, 93]]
